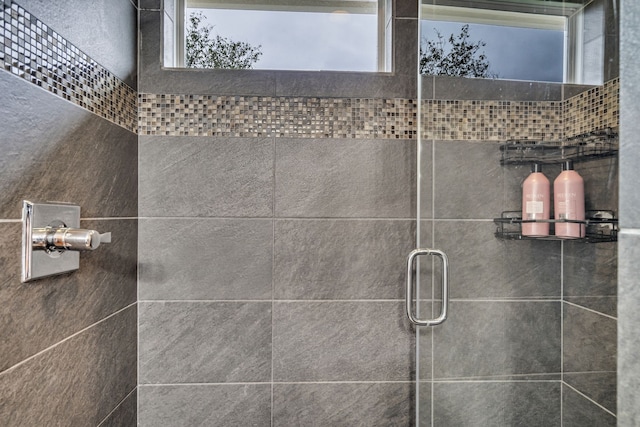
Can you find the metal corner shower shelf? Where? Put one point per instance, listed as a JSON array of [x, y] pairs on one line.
[[579, 148], [601, 225]]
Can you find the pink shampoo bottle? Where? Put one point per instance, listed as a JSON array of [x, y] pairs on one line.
[[535, 203], [568, 196]]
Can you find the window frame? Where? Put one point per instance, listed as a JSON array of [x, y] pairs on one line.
[[382, 8]]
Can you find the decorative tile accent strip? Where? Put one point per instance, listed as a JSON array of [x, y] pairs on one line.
[[595, 109], [33, 51], [207, 115], [491, 120]]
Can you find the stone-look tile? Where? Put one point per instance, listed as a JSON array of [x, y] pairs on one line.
[[598, 386], [150, 4], [426, 179], [405, 50], [343, 83], [405, 9], [424, 404], [628, 321], [78, 382], [341, 259], [571, 90], [200, 405], [600, 183], [206, 259], [202, 176], [482, 266], [494, 89], [345, 178], [342, 341], [200, 342], [106, 31], [605, 305], [532, 404], [590, 270], [468, 180], [579, 412], [125, 414], [344, 404], [498, 338], [424, 340], [589, 341], [58, 151], [38, 314]]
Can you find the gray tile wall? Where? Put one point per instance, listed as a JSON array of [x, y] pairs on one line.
[[290, 248], [69, 343], [628, 278], [270, 300]]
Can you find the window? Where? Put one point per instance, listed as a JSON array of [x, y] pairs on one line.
[[530, 40], [337, 35]]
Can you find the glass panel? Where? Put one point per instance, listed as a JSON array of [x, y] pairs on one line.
[[513, 343]]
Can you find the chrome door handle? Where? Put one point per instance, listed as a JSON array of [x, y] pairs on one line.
[[411, 280]]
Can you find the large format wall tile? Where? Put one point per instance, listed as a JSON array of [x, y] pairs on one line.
[[483, 266], [598, 386], [125, 414], [205, 405], [471, 404], [38, 314], [202, 176], [589, 341], [342, 341], [498, 338], [201, 342], [54, 150], [341, 259], [343, 404], [79, 381], [590, 270], [205, 259], [579, 412], [345, 178], [468, 180]]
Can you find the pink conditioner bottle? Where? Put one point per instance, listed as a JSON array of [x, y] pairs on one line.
[[568, 196], [535, 203]]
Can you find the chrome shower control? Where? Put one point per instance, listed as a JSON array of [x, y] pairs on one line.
[[52, 239], [67, 239]]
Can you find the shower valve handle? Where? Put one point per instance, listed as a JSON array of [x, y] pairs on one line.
[[54, 238]]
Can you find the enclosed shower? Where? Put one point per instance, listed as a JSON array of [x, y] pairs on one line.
[[278, 236]]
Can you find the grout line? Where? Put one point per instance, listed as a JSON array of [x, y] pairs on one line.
[[561, 332], [117, 406], [591, 310], [273, 266], [591, 400], [276, 382], [113, 218], [289, 301], [283, 218], [33, 356]]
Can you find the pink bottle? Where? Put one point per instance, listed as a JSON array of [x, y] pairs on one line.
[[535, 203], [568, 196]]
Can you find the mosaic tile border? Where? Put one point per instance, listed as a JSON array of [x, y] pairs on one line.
[[236, 116], [208, 115], [595, 109], [34, 52]]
